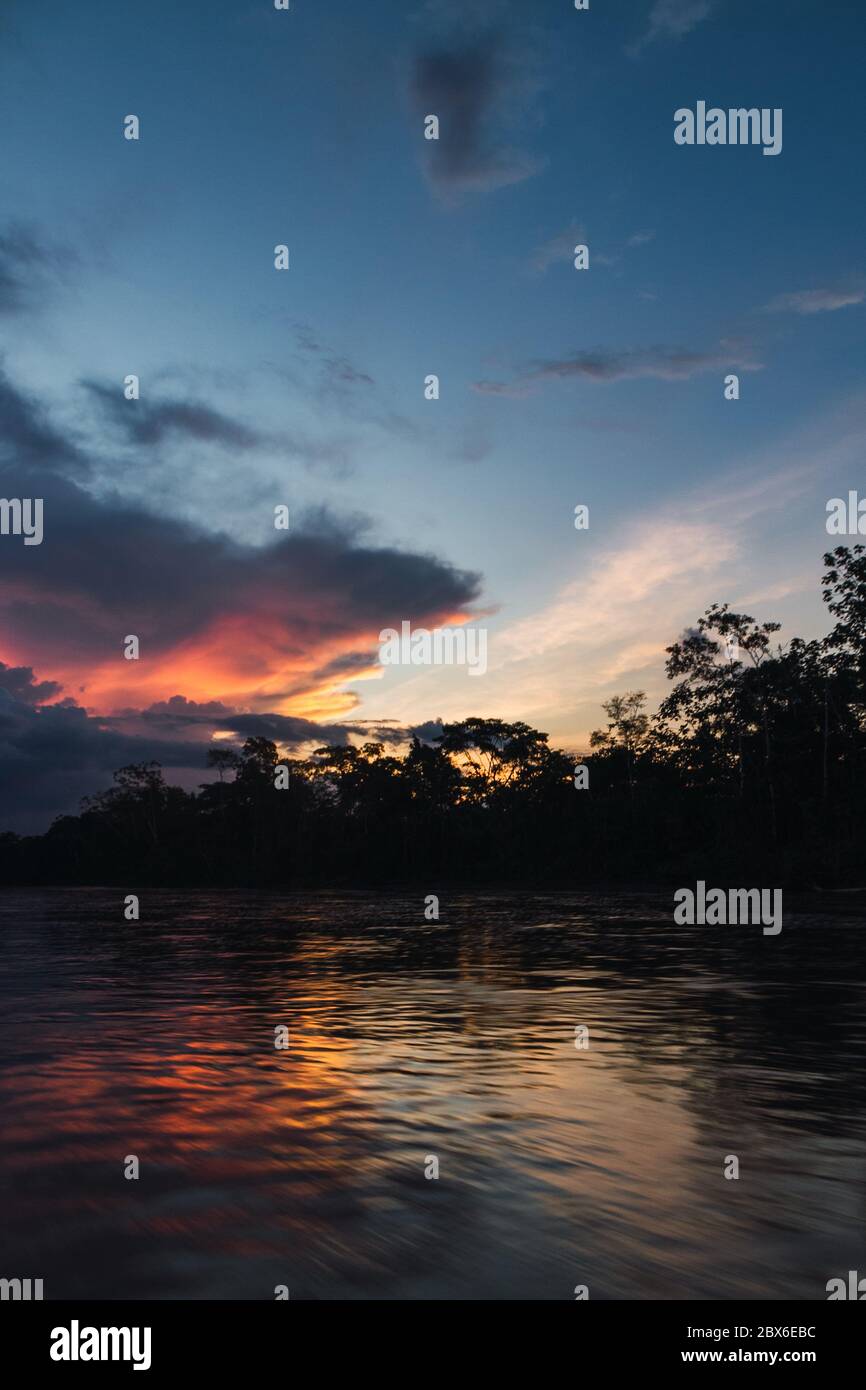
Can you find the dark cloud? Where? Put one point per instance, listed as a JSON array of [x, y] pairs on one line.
[[55, 755], [478, 89], [343, 666], [151, 422], [22, 685], [297, 615], [170, 718], [663, 364], [185, 711], [427, 732], [176, 715], [148, 422], [18, 253], [287, 729], [52, 756], [107, 568], [29, 441]]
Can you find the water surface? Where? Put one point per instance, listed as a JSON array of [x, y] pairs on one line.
[[410, 1040]]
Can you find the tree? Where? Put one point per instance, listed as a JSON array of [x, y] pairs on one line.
[[627, 729], [844, 593], [224, 760], [492, 754]]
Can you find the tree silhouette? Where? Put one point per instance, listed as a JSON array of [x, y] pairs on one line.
[[753, 765]]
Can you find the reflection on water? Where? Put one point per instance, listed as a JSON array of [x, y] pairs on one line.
[[306, 1167]]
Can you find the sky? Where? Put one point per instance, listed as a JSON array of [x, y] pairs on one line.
[[408, 257]]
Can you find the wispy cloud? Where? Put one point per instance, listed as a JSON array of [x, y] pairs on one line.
[[336, 370], [165, 421], [154, 421], [558, 248], [513, 390], [663, 364], [636, 589], [816, 301], [613, 622], [671, 19], [610, 624], [29, 268]]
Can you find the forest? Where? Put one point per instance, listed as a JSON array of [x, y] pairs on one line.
[[751, 770]]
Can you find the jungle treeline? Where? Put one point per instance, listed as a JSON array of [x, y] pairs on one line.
[[751, 771]]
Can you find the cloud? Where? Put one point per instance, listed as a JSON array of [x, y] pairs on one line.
[[154, 422], [558, 248], [179, 712], [514, 390], [234, 637], [663, 364], [479, 90], [21, 684], [815, 301], [337, 372], [613, 622], [18, 252], [151, 422], [561, 248], [248, 624], [605, 628], [179, 717], [29, 266], [672, 19], [29, 440], [213, 617], [53, 755], [342, 373], [643, 572], [651, 559], [341, 388]]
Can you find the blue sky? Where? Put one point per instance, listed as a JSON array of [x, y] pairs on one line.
[[261, 127]]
